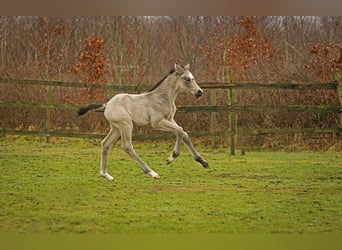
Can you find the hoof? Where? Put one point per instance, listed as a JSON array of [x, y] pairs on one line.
[[203, 162], [153, 174], [107, 176], [169, 160]]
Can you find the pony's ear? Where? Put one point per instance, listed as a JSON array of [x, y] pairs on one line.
[[179, 69], [187, 67]]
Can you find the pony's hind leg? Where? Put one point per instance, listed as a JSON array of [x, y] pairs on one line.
[[106, 145], [176, 151], [127, 146]]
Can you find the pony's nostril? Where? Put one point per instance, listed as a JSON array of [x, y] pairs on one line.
[[199, 93]]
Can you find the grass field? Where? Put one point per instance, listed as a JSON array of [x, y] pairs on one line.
[[56, 187]]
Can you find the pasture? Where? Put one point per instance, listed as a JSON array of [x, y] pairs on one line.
[[56, 187]]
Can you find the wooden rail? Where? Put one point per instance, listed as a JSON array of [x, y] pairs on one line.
[[205, 85], [187, 109]]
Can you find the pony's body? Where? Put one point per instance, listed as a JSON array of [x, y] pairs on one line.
[[130, 104], [156, 108]]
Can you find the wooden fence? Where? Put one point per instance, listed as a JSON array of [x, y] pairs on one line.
[[231, 108]]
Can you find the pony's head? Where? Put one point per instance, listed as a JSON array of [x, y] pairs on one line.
[[186, 80]]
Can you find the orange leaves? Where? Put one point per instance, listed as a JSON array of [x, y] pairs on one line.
[[91, 65], [239, 52], [248, 48], [326, 60], [92, 61]]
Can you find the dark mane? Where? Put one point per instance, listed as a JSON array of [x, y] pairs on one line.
[[158, 83]]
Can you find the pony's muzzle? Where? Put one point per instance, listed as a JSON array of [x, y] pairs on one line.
[[199, 93]]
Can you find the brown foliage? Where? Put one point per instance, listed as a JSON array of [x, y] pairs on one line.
[[235, 55], [140, 50], [91, 66], [92, 62], [327, 59]]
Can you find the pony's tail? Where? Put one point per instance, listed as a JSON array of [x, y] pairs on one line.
[[83, 110]]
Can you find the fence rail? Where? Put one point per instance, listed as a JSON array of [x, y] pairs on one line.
[[204, 85], [186, 109], [231, 108]]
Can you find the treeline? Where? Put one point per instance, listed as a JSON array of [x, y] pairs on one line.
[[140, 50]]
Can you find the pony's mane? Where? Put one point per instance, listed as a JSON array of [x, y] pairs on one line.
[[161, 80]]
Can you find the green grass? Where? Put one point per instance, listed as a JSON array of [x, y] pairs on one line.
[[56, 187]]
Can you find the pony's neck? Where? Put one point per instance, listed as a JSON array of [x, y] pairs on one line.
[[168, 87]]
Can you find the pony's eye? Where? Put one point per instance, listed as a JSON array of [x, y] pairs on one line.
[[187, 79]]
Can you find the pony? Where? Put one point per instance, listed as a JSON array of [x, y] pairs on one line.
[[155, 107]]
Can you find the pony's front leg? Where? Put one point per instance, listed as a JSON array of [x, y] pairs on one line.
[[172, 126]]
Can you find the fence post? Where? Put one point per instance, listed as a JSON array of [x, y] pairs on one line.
[[48, 115], [232, 121], [338, 77], [213, 118]]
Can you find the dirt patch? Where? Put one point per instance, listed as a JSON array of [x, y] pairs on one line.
[[251, 176], [216, 188]]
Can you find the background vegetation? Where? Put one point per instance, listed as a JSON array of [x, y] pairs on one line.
[[140, 50]]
